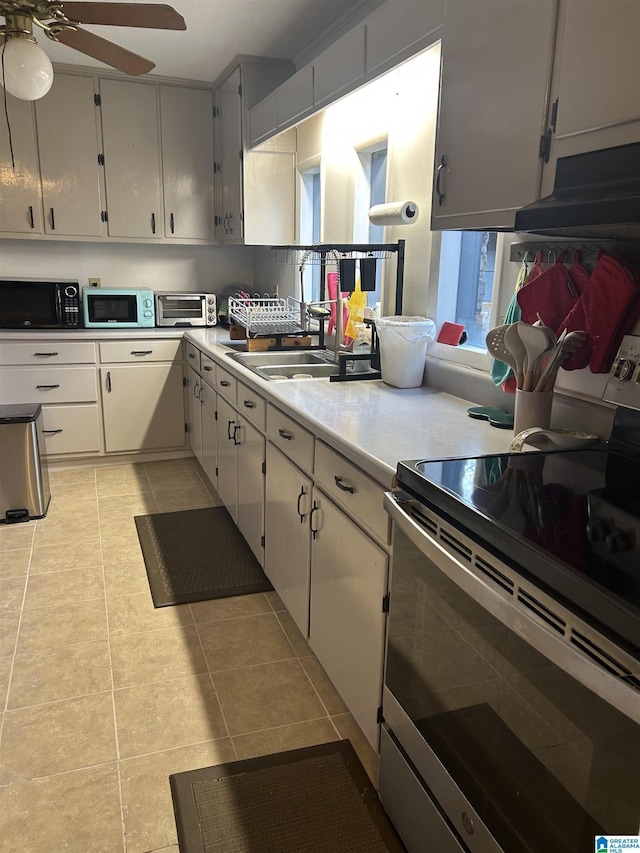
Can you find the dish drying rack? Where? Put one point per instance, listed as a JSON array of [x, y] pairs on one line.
[[268, 317]]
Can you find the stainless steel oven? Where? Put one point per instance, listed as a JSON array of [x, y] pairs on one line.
[[512, 684]]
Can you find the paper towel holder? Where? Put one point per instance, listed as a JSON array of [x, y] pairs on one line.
[[394, 213]]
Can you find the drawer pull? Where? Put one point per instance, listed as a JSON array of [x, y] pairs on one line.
[[153, 223], [288, 436], [141, 351], [249, 404], [340, 483], [43, 354], [52, 217], [192, 355], [300, 496], [46, 387], [225, 383], [32, 223], [172, 221], [51, 431], [208, 368]]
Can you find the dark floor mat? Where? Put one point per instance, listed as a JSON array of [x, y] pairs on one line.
[[197, 555], [313, 800]]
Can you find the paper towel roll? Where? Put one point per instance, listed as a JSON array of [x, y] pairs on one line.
[[394, 213]]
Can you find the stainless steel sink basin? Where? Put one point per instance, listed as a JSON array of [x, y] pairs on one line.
[[297, 364]]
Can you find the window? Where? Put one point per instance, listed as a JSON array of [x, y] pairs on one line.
[[310, 212], [370, 189], [466, 279]]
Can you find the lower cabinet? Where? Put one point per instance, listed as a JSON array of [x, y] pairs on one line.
[[209, 436], [140, 407], [71, 429], [349, 579], [194, 412], [287, 535], [227, 457]]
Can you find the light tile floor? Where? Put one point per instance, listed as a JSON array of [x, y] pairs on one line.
[[102, 696]]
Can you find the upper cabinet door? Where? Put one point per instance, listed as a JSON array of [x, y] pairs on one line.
[[186, 120], [596, 79], [400, 28], [230, 157], [68, 144], [340, 68], [496, 62], [20, 200], [132, 159]]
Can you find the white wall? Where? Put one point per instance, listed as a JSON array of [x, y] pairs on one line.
[[158, 267]]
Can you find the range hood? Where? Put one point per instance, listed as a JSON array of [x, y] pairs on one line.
[[596, 194]]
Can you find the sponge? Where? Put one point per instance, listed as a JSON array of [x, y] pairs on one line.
[[451, 333]]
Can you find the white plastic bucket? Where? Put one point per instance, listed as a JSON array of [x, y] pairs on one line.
[[403, 347]]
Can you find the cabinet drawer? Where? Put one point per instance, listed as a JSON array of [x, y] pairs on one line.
[[192, 355], [226, 383], [294, 441], [47, 385], [352, 488], [120, 351], [252, 405], [207, 368], [48, 352], [71, 429]]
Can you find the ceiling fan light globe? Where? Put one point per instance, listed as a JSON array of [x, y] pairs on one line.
[[28, 73]]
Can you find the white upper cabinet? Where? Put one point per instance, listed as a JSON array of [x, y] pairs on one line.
[[69, 148], [186, 120], [496, 61], [230, 155], [596, 78], [20, 200], [294, 97], [132, 159], [399, 29], [340, 68]]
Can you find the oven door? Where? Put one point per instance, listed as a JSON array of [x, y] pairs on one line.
[[181, 309], [521, 723]]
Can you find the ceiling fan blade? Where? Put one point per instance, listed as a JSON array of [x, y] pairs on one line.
[[106, 51], [155, 16]]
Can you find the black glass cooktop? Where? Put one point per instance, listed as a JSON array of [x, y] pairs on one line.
[[568, 519]]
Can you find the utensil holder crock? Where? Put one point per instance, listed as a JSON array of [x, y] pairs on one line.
[[533, 409]]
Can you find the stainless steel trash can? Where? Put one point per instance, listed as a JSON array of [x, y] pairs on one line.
[[24, 478]]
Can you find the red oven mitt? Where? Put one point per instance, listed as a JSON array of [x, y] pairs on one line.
[[607, 308], [552, 294]]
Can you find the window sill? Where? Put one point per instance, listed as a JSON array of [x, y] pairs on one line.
[[467, 356]]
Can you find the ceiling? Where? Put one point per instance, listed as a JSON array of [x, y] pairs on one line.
[[219, 30]]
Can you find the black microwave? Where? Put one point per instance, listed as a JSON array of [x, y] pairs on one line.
[[36, 304]]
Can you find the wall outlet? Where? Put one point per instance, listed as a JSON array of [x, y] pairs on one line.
[[95, 282]]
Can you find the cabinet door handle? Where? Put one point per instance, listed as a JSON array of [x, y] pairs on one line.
[[301, 515], [51, 431], [236, 430], [439, 170], [314, 530], [202, 394], [192, 355], [153, 223], [141, 351], [344, 487], [46, 387], [230, 222], [226, 223], [172, 223], [196, 390], [43, 354], [109, 381], [225, 383], [32, 222], [208, 368], [288, 436], [52, 217], [229, 436], [249, 404]]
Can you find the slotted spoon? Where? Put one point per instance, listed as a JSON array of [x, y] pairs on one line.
[[536, 343], [497, 348]]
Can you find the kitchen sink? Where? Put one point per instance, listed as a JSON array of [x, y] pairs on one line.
[[298, 364]]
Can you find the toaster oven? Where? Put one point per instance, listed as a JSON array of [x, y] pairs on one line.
[[186, 309]]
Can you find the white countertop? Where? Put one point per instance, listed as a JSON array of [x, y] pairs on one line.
[[373, 424]]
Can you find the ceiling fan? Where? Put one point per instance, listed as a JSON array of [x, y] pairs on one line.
[[61, 22]]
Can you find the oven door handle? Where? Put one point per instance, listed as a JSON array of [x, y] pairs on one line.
[[561, 650]]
